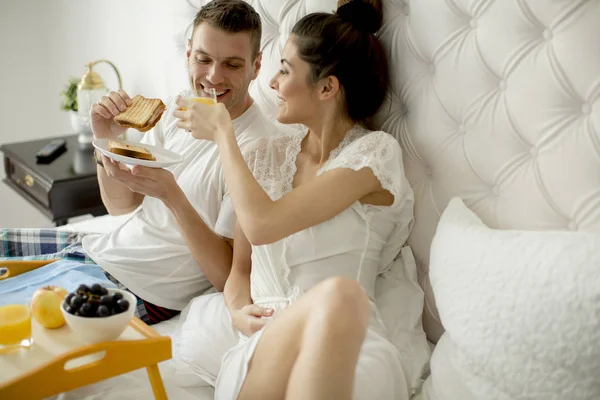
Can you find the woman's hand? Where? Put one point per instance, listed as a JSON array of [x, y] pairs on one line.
[[202, 120], [248, 319]]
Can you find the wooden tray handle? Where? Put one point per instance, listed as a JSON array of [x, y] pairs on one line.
[[120, 357], [12, 268]]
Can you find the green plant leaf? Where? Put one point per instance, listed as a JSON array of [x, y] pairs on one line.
[[69, 95]]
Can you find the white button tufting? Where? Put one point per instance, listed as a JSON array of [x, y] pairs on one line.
[[473, 23], [429, 171], [550, 90], [432, 68], [572, 226], [462, 129]]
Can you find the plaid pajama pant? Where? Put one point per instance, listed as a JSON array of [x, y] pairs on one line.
[[48, 244]]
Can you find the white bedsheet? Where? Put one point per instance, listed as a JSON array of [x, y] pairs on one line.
[[102, 224]]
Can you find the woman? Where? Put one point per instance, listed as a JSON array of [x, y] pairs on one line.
[[320, 214]]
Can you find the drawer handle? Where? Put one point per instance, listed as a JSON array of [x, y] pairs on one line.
[[28, 180]]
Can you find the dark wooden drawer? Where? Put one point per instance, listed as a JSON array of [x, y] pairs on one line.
[[65, 188], [69, 198], [28, 181]]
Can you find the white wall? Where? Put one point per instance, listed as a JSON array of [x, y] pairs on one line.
[[43, 43]]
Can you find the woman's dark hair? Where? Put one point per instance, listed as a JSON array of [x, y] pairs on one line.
[[344, 45]]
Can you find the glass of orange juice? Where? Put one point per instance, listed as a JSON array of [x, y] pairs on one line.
[[194, 96], [15, 327]]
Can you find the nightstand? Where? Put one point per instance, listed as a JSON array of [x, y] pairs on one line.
[[65, 188]]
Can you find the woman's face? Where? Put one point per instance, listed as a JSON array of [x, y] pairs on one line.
[[297, 100]]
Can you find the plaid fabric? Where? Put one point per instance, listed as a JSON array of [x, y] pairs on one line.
[[41, 244], [149, 313], [46, 244]]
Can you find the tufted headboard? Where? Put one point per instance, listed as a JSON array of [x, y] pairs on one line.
[[495, 101]]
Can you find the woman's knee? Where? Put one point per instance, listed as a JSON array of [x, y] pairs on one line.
[[341, 298]]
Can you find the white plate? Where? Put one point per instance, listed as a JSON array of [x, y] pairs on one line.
[[164, 157]]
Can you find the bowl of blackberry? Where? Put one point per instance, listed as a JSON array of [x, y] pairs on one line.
[[98, 314]]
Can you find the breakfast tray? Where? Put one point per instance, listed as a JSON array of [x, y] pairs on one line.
[[59, 361]]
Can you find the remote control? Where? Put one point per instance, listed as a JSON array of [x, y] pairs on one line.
[[51, 150]]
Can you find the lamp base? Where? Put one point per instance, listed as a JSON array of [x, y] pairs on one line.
[[85, 140], [81, 125]]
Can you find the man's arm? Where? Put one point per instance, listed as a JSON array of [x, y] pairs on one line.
[[212, 252], [117, 198]]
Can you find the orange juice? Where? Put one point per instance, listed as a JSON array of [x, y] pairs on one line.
[[15, 326], [204, 100]]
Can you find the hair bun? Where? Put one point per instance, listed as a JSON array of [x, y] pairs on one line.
[[361, 14]]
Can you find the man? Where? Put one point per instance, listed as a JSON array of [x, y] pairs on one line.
[[177, 243]]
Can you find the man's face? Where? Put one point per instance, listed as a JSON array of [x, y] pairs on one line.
[[223, 61]]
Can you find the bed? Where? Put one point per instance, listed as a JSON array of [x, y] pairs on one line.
[[491, 103]]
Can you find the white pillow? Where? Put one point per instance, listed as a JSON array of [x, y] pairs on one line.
[[521, 311]]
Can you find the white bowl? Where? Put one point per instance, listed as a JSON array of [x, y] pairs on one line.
[[95, 330]]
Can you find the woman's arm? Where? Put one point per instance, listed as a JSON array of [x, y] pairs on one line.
[[262, 219], [245, 316], [266, 221], [237, 286]]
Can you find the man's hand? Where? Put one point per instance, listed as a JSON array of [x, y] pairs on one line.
[[248, 319], [154, 182], [102, 114]]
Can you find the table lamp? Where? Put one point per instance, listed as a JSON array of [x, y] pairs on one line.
[[89, 91]]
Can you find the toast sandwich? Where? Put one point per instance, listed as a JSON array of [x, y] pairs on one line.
[[128, 150], [142, 114]]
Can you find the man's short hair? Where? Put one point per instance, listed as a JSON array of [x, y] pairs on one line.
[[232, 16]]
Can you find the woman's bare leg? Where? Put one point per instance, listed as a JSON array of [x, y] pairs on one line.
[[310, 351]]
